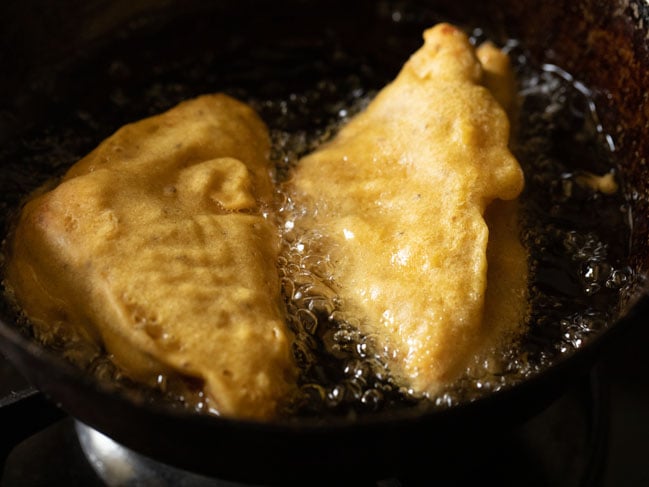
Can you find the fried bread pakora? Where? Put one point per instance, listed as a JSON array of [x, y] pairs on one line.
[[155, 247], [399, 197], [506, 297]]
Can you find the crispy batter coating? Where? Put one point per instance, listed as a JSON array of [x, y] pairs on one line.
[[506, 305], [399, 196], [154, 246]]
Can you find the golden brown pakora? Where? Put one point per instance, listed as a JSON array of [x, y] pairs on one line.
[[400, 195], [155, 246]]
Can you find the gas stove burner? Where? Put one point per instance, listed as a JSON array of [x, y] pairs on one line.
[[118, 466], [595, 434], [563, 446]]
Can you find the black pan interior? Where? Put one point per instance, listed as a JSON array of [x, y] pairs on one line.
[[78, 72]]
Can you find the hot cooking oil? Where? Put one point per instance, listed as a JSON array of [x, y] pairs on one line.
[[576, 217]]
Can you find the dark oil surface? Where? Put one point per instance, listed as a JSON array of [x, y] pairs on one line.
[[305, 85]]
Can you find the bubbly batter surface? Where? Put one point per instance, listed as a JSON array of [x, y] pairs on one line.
[[154, 246], [399, 197]]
